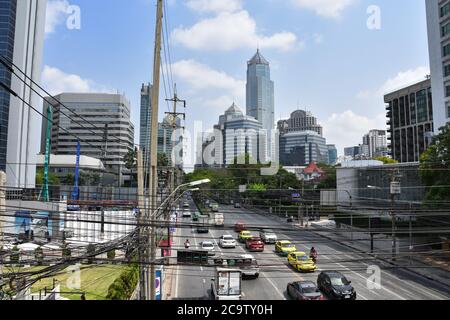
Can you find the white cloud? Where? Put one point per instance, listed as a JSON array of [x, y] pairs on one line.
[[56, 14], [405, 78], [400, 80], [56, 81], [201, 77], [231, 30], [214, 5], [346, 129], [325, 8]]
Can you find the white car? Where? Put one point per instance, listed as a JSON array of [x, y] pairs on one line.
[[186, 214], [208, 246], [227, 241], [186, 204]]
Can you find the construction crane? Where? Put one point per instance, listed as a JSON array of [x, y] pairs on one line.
[[76, 189], [44, 190]]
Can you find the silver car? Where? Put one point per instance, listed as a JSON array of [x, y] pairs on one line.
[[268, 237]]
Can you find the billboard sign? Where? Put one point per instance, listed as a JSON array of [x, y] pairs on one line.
[[158, 285]]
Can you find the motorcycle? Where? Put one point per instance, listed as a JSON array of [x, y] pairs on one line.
[[313, 256], [187, 245]]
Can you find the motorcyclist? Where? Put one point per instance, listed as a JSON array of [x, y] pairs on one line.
[[313, 254], [187, 244]]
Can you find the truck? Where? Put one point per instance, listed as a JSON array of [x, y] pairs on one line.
[[218, 219], [227, 284]]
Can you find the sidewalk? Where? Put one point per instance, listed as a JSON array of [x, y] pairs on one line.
[[427, 267]]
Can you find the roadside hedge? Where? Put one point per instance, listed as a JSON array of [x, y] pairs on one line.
[[123, 287]]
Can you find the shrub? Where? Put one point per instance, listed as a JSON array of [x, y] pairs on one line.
[[111, 254], [123, 287]]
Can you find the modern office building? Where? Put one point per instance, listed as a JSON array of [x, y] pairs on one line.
[[101, 122], [375, 144], [332, 154], [168, 137], [302, 148], [260, 95], [438, 21], [410, 121], [300, 120], [352, 151], [145, 116], [22, 33], [241, 135]]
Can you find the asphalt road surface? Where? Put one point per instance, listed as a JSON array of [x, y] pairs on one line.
[[194, 282]]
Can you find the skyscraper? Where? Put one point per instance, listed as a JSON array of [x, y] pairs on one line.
[[22, 31], [438, 14], [260, 94], [146, 115]]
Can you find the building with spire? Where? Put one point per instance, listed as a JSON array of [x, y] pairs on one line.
[[260, 94]]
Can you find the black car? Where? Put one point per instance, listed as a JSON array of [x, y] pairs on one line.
[[335, 285], [304, 290]]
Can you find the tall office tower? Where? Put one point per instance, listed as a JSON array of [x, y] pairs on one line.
[[241, 135], [438, 21], [146, 115], [376, 142], [332, 154], [410, 121], [260, 95], [168, 138], [103, 124], [300, 121], [22, 31]]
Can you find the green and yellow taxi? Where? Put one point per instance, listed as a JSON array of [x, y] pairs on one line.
[[244, 235], [301, 262], [284, 247]]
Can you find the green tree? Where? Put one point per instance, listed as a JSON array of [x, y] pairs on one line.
[[163, 161], [434, 168], [15, 255], [90, 250], [53, 179], [39, 255], [130, 159], [386, 160]]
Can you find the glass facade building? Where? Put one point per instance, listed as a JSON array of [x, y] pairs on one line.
[[302, 148], [145, 116], [410, 121], [260, 94], [7, 34]]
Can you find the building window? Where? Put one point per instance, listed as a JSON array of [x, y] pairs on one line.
[[446, 50], [445, 9], [447, 70], [445, 30], [447, 91], [448, 111]]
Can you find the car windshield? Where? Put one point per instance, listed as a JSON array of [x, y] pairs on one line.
[[287, 245], [208, 244], [228, 238], [302, 258], [270, 234], [308, 288], [339, 281]]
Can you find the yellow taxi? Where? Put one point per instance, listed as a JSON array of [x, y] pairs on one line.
[[244, 235], [285, 247], [301, 262]]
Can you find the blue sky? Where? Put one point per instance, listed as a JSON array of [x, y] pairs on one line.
[[323, 56]]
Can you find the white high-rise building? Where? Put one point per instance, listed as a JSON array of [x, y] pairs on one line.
[[23, 28], [438, 21]]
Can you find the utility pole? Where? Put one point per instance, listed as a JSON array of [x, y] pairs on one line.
[[174, 115], [395, 190], [153, 148], [141, 249]]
